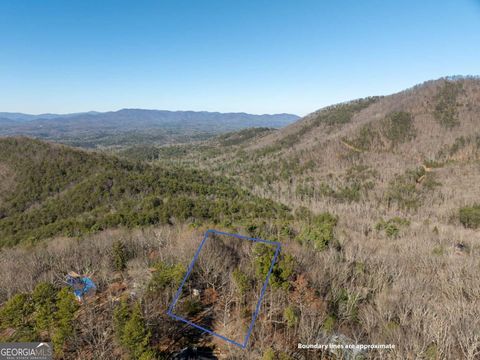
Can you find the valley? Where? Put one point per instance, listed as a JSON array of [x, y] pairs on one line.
[[126, 127], [375, 202]]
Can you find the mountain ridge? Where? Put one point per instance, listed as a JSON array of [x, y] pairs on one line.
[[316, 160], [371, 199], [21, 117], [131, 126]]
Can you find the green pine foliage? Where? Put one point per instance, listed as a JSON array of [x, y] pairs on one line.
[[352, 186], [263, 256], [70, 192], [365, 139], [149, 355], [392, 227], [66, 307], [44, 303], [329, 324], [44, 314], [269, 354], [16, 312], [190, 307], [290, 316], [242, 282], [470, 216], [446, 107], [119, 256], [319, 231], [121, 314], [398, 127], [242, 136], [131, 330], [166, 276], [135, 335], [283, 270], [336, 115], [343, 113], [407, 191]]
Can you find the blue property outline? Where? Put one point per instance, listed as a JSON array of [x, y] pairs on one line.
[[257, 308]]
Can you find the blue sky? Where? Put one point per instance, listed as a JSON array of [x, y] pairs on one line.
[[223, 55]]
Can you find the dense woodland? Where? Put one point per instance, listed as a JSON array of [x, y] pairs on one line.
[[375, 202], [67, 192]]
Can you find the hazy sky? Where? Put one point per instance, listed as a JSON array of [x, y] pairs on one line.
[[227, 55]]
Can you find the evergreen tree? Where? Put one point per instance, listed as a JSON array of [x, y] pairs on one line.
[[121, 315], [282, 271], [66, 307], [119, 256], [319, 232], [136, 337], [166, 276], [16, 311], [241, 280], [290, 316], [44, 303], [269, 354]]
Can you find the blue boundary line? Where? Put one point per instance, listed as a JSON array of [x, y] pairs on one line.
[[264, 289], [257, 308]]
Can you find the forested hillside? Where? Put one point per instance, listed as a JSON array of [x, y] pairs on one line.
[[400, 174], [57, 190], [375, 202], [391, 151], [60, 209]]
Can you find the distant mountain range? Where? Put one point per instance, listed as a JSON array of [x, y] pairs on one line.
[[19, 117], [126, 126], [373, 198]]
